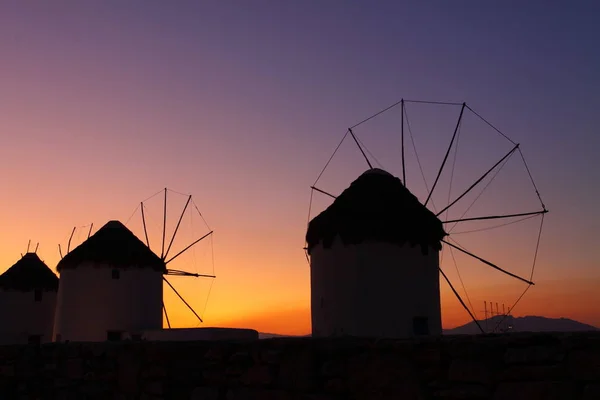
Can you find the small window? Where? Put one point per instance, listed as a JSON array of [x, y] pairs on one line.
[[37, 295], [322, 302], [34, 339], [113, 336], [116, 274], [420, 326]]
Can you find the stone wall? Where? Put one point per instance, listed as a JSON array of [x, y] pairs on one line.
[[511, 367]]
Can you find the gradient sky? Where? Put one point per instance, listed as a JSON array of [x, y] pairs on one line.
[[239, 103]]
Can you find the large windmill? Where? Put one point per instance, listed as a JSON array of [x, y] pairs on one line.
[[360, 247]]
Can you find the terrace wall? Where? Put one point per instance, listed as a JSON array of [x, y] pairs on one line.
[[501, 367]]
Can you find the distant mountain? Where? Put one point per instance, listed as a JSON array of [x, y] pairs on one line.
[[275, 335], [509, 324], [522, 324]]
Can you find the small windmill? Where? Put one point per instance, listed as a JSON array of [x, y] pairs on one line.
[[166, 247], [449, 224]]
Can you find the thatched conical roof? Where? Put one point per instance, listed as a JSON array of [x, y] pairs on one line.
[[377, 207], [29, 273], [113, 246]]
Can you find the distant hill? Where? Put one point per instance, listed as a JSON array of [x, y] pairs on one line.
[[275, 335], [523, 324], [516, 324]]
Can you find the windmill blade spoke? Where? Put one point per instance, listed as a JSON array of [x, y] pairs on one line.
[[70, 238], [360, 148], [166, 315], [488, 263], [324, 192], [461, 300], [462, 110], [177, 227], [178, 272], [495, 217], [402, 141], [478, 180], [188, 247], [144, 223], [182, 299], [162, 252]]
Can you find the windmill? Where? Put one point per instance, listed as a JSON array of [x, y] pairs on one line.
[[114, 266], [401, 128]]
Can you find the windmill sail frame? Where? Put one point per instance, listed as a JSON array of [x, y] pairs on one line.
[[516, 148]]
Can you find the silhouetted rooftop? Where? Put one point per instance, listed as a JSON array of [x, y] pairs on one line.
[[29, 273], [377, 207], [114, 246]]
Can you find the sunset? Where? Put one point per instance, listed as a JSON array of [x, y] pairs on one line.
[[106, 103]]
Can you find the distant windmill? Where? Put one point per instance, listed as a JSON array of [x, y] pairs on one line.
[[366, 277], [27, 300]]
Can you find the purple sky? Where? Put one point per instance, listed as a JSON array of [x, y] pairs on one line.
[[105, 102]]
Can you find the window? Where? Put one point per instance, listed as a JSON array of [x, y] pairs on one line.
[[116, 274], [420, 326], [113, 336], [34, 339], [58, 337], [37, 295]]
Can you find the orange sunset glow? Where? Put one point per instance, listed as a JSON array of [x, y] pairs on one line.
[[106, 104]]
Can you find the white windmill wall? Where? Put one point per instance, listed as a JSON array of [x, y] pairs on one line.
[[90, 302], [373, 289], [23, 317]]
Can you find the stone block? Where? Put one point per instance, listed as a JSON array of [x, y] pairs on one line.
[[536, 390], [470, 371], [533, 373], [258, 375], [154, 371], [333, 369], [464, 392], [258, 394], [335, 385], [298, 371], [591, 392], [584, 365], [128, 372], [155, 388], [205, 393], [378, 371], [214, 376], [270, 356], [7, 371], [74, 368], [534, 355]]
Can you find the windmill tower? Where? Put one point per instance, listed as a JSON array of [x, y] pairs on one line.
[[27, 301], [374, 253], [111, 285], [376, 228]]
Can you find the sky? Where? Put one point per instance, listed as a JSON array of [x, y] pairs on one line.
[[240, 104]]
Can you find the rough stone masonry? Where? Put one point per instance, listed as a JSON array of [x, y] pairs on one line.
[[501, 367]]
